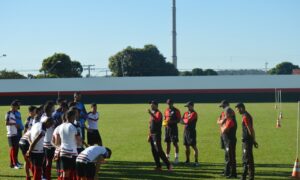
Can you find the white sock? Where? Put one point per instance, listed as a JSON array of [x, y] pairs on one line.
[[168, 155], [176, 155]]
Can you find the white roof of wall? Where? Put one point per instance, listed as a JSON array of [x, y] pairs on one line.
[[151, 83]]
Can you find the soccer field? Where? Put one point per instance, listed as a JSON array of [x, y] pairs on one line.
[[124, 129]]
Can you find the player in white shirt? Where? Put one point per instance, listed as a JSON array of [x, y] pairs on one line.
[[24, 144], [88, 162], [93, 134], [56, 142], [12, 135], [48, 148], [36, 149], [68, 149], [29, 121]]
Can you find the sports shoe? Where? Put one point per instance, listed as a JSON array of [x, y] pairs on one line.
[[17, 167], [176, 161], [170, 168], [187, 162], [196, 164], [231, 177], [158, 169]]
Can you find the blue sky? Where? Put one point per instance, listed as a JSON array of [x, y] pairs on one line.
[[217, 34]]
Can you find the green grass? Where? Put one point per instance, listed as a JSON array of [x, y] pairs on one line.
[[124, 129]]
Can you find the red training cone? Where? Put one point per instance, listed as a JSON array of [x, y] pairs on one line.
[[280, 116], [296, 170], [278, 125]]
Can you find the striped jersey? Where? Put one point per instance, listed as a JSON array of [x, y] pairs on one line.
[[93, 120], [91, 154], [37, 130], [49, 132], [11, 129], [68, 133]]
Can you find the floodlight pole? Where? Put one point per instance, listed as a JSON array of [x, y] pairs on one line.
[[174, 36]]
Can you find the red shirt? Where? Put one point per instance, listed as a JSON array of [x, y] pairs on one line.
[[172, 115], [189, 117]]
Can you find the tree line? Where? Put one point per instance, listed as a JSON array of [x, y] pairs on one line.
[[146, 61]]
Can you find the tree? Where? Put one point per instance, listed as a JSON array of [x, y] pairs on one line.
[[4, 74], [283, 68], [60, 65], [199, 72], [186, 73], [147, 61], [210, 72]]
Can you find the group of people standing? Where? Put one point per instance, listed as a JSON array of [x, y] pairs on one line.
[[172, 117], [56, 135], [228, 128]]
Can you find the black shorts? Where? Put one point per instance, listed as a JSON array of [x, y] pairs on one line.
[[24, 146], [79, 150], [20, 134], [67, 163], [86, 169], [156, 137], [171, 134], [189, 137], [37, 159], [13, 141], [93, 137], [49, 153]]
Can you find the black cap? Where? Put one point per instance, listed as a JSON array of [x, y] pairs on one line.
[[224, 103], [190, 103], [170, 101], [240, 105], [153, 102], [14, 103]]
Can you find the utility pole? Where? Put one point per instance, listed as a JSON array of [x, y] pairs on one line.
[[266, 66], [174, 36], [88, 68]]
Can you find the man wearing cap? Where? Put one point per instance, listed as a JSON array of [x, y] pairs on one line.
[[190, 136], [83, 113], [154, 137], [172, 118], [228, 126], [19, 123], [248, 140], [12, 135]]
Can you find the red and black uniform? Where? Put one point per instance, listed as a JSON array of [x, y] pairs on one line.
[[221, 138], [248, 160], [190, 121], [155, 139], [229, 138], [172, 115]]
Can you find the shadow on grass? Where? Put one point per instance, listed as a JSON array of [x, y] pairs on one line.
[[145, 170]]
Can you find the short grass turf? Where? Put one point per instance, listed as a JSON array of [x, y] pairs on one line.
[[124, 129]]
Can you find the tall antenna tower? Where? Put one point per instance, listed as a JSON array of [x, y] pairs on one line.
[[174, 36]]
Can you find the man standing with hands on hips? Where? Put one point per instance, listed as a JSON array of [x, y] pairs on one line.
[[190, 136], [248, 140], [172, 118]]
